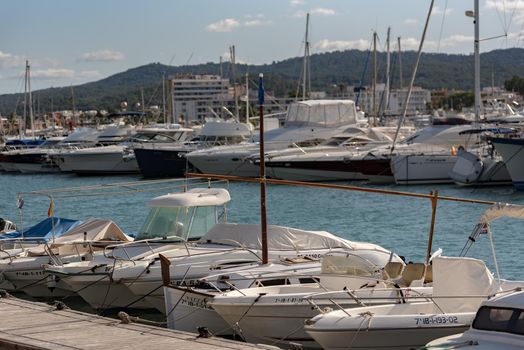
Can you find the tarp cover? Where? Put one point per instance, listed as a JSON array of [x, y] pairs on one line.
[[279, 238], [457, 277], [45, 229], [94, 230]]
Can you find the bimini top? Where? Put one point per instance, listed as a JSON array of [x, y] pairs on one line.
[[279, 238], [321, 113], [499, 210], [192, 198]]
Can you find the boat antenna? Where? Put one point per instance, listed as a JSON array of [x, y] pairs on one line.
[[263, 217], [413, 75]]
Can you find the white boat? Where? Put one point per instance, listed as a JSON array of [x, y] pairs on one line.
[[275, 314], [479, 167], [24, 269], [511, 150], [168, 160], [497, 326], [456, 297], [451, 309], [307, 122], [430, 154]]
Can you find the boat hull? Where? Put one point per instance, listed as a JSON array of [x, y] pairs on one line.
[[422, 169], [159, 163], [512, 153]]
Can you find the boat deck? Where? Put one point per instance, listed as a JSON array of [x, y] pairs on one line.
[[27, 325]]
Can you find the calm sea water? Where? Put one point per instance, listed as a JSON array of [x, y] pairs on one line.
[[398, 223]]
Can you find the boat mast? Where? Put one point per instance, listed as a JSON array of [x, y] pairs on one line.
[[306, 83], [263, 216], [28, 85], [413, 75], [374, 109], [164, 97], [478, 100], [233, 72], [247, 98], [400, 64], [388, 59]]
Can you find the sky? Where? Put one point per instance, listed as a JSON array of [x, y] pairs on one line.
[[70, 42]]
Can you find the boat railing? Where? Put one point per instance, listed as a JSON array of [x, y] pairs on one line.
[[148, 243]]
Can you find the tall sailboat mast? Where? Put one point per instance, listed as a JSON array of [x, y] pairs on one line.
[[478, 100], [388, 65], [28, 100], [306, 82]]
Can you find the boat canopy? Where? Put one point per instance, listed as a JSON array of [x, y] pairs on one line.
[[192, 198], [321, 113], [279, 238], [45, 229], [499, 210], [94, 230]]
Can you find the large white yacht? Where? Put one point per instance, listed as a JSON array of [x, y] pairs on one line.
[[307, 123]]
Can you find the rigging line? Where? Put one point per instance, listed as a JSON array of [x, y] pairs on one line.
[[513, 14], [442, 26]]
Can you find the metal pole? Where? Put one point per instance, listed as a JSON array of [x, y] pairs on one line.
[[400, 64], [263, 218], [434, 200], [478, 100], [374, 109]]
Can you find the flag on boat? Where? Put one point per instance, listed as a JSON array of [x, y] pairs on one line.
[[20, 202], [50, 209], [261, 89]]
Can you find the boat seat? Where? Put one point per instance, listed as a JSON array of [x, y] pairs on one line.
[[412, 272], [429, 274], [393, 269]]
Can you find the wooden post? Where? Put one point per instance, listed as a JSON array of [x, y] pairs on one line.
[[434, 200], [164, 268]]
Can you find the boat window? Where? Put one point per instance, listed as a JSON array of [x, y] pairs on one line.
[[188, 223], [274, 282], [499, 320], [203, 220]]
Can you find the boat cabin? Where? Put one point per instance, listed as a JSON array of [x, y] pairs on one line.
[[188, 215], [504, 314]]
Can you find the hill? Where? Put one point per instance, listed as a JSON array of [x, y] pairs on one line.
[[328, 71]]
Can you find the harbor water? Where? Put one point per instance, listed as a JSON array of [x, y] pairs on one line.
[[401, 224]]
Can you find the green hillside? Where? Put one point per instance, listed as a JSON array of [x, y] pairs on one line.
[[329, 71]]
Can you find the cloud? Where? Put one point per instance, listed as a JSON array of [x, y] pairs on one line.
[[53, 73], [102, 56], [319, 11], [333, 45], [411, 21], [8, 60], [90, 74], [225, 25], [295, 2], [256, 23], [513, 7], [438, 11]]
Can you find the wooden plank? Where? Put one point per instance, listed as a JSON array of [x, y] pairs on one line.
[[26, 325]]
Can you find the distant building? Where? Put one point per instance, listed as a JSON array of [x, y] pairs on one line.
[[417, 103], [193, 98]]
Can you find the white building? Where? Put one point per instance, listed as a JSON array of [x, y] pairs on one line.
[[397, 97], [193, 98]]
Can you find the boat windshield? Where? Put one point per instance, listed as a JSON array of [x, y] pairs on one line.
[[188, 223], [498, 319]]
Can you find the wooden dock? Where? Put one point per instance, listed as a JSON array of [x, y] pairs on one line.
[[26, 325]]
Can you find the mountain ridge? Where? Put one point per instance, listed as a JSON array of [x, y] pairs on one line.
[[329, 71]]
